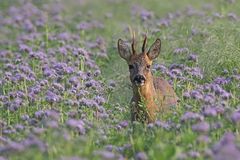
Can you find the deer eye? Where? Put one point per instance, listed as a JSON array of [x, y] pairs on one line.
[[130, 66], [148, 66]]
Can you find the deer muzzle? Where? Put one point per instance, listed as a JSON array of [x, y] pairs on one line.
[[139, 80]]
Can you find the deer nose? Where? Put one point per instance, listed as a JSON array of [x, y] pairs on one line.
[[139, 79]]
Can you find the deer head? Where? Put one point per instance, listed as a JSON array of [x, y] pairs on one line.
[[139, 63]]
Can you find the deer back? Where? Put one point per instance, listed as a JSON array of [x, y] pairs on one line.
[[164, 92]]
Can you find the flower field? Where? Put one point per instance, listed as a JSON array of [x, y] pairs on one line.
[[65, 91]]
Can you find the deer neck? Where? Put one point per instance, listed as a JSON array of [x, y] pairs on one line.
[[146, 92]]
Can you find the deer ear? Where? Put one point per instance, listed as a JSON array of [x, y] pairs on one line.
[[154, 50], [124, 50]]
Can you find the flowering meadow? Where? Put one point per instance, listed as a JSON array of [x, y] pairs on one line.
[[65, 91]]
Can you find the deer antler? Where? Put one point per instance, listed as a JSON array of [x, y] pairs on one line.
[[144, 43], [133, 40]]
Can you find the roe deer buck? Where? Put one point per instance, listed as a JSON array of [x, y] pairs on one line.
[[153, 92]]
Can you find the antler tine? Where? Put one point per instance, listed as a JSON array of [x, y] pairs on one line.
[[133, 42], [144, 43], [133, 39]]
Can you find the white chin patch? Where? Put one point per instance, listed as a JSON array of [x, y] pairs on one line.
[[140, 84]]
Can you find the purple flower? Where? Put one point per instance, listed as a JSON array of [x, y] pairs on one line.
[[226, 148], [63, 51], [71, 158], [164, 22], [103, 115], [181, 50], [100, 100], [190, 11], [47, 72], [176, 72], [162, 124], [52, 97], [201, 127], [38, 55], [38, 131], [203, 139], [220, 109], [12, 147], [105, 155], [175, 66], [25, 117], [64, 36], [60, 68], [69, 70], [88, 103], [141, 156], [34, 141], [19, 127], [35, 89], [58, 87], [31, 141], [2, 158], [209, 111], [31, 97], [39, 114], [192, 57], [89, 25], [222, 80], [28, 26], [186, 95], [145, 15], [91, 64], [18, 77], [84, 26], [9, 131], [123, 124], [43, 82], [82, 93], [53, 114], [52, 124], [193, 154], [196, 72], [182, 156], [16, 104], [236, 77], [235, 117], [191, 116], [77, 124], [217, 89], [83, 52], [225, 95], [24, 48], [110, 147], [16, 95], [74, 80], [196, 94], [92, 83], [10, 66], [209, 98], [216, 125]]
